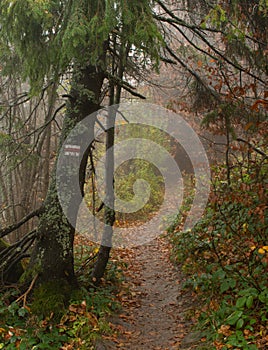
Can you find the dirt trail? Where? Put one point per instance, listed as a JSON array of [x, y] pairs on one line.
[[153, 317]]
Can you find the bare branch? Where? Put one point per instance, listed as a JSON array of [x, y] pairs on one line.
[[11, 228], [257, 150], [200, 32], [125, 85], [193, 73]]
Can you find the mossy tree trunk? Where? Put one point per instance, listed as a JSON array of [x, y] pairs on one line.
[[52, 258]]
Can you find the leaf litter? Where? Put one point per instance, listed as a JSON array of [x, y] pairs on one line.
[[156, 311]]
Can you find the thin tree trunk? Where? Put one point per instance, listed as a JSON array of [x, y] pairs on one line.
[[109, 213]]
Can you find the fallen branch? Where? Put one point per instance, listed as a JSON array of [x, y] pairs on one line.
[[5, 231], [16, 252]]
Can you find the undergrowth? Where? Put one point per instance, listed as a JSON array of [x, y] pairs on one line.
[[225, 258], [77, 326]]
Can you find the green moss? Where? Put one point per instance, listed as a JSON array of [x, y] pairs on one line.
[[78, 294], [51, 297], [30, 273]]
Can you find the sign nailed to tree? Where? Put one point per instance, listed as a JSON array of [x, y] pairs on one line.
[[72, 150]]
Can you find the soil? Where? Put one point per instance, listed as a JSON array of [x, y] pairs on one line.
[[157, 314]]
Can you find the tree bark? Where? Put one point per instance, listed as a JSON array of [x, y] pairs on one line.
[[52, 258], [109, 212]]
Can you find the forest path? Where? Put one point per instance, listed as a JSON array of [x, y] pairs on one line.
[[153, 315]]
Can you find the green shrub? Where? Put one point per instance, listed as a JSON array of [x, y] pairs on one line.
[[225, 259]]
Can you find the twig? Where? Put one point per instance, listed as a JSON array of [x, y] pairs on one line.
[[251, 146], [86, 262], [24, 295]]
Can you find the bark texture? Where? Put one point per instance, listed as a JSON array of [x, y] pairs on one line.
[[52, 258]]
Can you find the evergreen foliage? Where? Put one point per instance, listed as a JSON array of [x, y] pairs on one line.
[[47, 37]]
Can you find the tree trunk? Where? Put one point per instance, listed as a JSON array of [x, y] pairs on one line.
[[52, 259], [109, 213]]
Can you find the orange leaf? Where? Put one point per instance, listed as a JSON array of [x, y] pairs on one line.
[[73, 308], [255, 106], [248, 126]]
